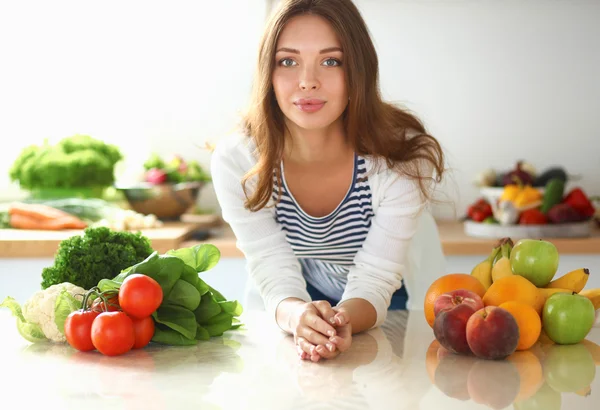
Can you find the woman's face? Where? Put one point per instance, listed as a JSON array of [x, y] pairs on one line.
[[309, 79]]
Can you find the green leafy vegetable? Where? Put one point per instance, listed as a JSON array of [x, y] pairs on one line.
[[207, 309], [177, 318], [64, 305], [184, 294], [200, 257], [99, 254], [218, 324], [29, 331], [202, 333], [167, 336], [78, 161]]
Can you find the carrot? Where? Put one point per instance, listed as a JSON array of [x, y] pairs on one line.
[[19, 221], [37, 211]]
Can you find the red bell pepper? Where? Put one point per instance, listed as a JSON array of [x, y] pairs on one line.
[[580, 202], [533, 217]]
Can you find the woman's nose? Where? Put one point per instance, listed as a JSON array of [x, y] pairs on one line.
[[308, 81]]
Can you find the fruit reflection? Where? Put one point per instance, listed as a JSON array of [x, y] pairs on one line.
[[544, 399], [531, 374], [494, 383], [452, 374], [569, 368]]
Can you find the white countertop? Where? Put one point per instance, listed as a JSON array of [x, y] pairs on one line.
[[258, 368]]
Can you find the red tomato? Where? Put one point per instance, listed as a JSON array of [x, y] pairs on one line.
[[112, 333], [144, 330], [78, 329], [140, 295], [113, 305]]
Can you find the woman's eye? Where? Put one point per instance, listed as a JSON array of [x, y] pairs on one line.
[[287, 62], [332, 62]]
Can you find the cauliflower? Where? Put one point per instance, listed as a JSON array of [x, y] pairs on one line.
[[39, 309]]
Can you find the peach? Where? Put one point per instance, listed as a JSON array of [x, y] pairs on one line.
[[448, 300], [492, 333], [450, 328]]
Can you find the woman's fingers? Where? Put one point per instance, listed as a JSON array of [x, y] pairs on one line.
[[326, 311], [306, 346], [343, 339], [312, 321]]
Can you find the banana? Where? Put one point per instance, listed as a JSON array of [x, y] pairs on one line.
[[483, 270], [545, 293], [593, 295], [574, 280], [502, 266], [586, 391]]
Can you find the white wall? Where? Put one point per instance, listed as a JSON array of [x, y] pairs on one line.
[[495, 81]]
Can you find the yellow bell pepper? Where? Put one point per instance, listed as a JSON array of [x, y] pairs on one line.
[[528, 195], [510, 192]]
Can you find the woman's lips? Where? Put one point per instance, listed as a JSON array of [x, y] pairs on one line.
[[309, 105]]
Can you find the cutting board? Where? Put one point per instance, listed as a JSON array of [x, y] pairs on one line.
[[22, 243]]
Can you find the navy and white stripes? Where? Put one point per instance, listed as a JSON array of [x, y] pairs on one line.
[[326, 246]]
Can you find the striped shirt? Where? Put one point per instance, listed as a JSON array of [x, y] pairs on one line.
[[326, 246]]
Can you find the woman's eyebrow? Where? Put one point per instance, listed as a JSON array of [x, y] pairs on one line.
[[324, 51]]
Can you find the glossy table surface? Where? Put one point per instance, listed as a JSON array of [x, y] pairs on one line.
[[396, 366]]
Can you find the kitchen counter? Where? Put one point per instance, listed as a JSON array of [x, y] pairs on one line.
[[37, 244], [396, 366]]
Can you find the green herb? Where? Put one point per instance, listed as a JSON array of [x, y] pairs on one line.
[[99, 254]]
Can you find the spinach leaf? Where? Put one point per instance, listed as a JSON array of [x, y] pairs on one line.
[[165, 335], [164, 269], [109, 284], [200, 257], [202, 333], [208, 308], [183, 294], [218, 296], [219, 324], [177, 318], [190, 275], [232, 307], [202, 287], [63, 306]]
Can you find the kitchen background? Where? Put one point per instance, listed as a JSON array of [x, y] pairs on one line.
[[495, 81]]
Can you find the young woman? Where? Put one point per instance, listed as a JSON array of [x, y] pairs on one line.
[[324, 186]]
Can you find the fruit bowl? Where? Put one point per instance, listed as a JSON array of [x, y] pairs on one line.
[[497, 231], [166, 201]]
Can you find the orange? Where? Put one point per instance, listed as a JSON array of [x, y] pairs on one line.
[[528, 320], [513, 288], [531, 374], [448, 283]]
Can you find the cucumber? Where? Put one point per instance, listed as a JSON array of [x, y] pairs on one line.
[[86, 209], [553, 194]]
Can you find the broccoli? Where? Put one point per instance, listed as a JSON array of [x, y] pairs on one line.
[[79, 161], [98, 254]]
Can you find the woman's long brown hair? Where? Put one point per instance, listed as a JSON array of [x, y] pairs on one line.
[[373, 127]]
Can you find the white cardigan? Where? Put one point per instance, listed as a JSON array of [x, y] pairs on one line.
[[378, 266]]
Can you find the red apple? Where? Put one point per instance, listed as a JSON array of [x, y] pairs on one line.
[[454, 298]]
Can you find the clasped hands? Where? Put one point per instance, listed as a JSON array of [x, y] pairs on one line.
[[321, 331]]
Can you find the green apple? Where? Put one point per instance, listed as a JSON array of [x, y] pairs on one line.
[[568, 369], [568, 318], [536, 260]]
